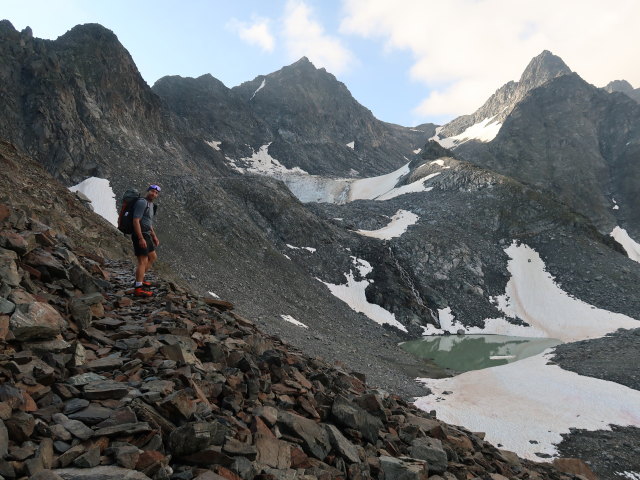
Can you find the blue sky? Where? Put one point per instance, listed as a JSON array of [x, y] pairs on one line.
[[408, 61]]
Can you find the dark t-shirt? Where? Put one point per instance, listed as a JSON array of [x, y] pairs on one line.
[[144, 211]]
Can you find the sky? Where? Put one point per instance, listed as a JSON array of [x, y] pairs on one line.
[[408, 61]]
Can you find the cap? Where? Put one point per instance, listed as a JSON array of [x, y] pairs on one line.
[[154, 187]]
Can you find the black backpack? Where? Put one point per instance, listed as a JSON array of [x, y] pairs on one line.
[[125, 218]]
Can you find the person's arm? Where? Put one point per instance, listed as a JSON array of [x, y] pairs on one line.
[[137, 231], [154, 237]]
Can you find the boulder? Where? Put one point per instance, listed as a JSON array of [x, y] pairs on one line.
[[4, 440], [196, 436], [273, 452], [353, 416], [341, 445], [103, 472], [8, 268], [574, 466], [430, 450], [404, 468], [315, 438], [40, 258], [38, 321]]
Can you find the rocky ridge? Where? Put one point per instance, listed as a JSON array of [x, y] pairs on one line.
[[308, 118], [96, 383]]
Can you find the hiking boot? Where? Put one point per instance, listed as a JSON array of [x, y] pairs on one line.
[[147, 284], [141, 292]]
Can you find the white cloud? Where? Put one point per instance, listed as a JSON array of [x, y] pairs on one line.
[[256, 33], [465, 49], [305, 36]]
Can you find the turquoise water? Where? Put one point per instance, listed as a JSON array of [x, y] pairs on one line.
[[475, 352]]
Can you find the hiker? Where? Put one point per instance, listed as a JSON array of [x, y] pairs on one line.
[[144, 239]]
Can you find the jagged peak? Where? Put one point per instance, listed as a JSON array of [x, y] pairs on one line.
[[544, 67], [206, 82], [92, 30], [619, 86]]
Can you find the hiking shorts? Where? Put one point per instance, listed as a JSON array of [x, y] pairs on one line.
[[139, 251]]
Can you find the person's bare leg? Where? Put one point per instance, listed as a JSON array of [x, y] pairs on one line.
[[141, 269], [151, 258]]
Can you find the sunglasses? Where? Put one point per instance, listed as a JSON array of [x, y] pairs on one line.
[[153, 187]]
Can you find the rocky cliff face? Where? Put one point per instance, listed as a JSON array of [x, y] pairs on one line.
[[577, 141], [308, 118], [540, 70]]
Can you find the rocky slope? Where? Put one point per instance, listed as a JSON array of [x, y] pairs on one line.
[[453, 255], [96, 383]]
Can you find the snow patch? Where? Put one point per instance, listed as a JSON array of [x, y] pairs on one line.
[[485, 131], [290, 319], [264, 82], [440, 163], [214, 144], [555, 400], [262, 163], [314, 188], [631, 475], [417, 151], [310, 249], [213, 295], [414, 187], [103, 200], [353, 294], [399, 224], [630, 246], [351, 145]]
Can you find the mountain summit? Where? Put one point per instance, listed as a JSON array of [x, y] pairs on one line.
[[487, 120]]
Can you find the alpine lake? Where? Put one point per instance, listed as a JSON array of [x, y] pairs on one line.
[[462, 353]]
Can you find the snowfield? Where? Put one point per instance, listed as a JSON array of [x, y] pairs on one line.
[[629, 244], [353, 294], [533, 296], [103, 200], [485, 131], [530, 400], [399, 224]]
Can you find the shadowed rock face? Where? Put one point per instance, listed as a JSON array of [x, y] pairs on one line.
[[576, 141], [306, 115]]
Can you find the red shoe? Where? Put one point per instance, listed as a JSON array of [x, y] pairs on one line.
[[140, 292], [147, 284]]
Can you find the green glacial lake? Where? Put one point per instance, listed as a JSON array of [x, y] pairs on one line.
[[475, 352]]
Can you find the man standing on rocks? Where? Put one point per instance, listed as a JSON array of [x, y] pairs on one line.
[[144, 239]]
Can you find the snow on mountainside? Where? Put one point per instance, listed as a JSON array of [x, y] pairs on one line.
[[533, 296]]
